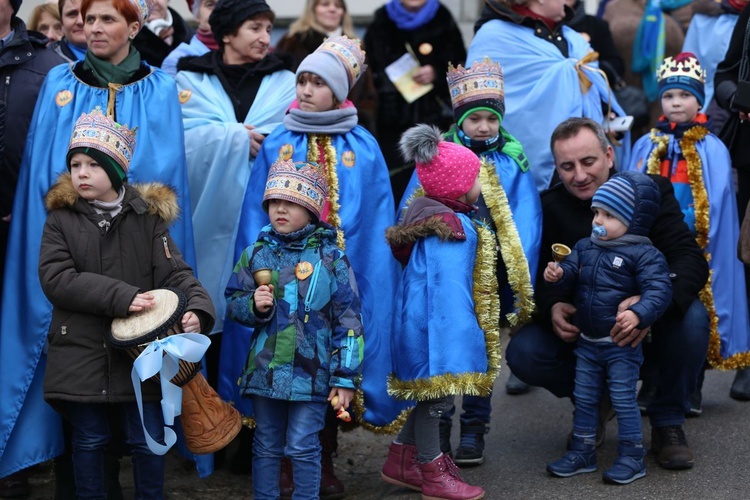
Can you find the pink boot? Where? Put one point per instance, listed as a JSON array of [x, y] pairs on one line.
[[401, 467], [441, 481]]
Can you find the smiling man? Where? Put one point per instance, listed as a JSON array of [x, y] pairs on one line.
[[542, 352]]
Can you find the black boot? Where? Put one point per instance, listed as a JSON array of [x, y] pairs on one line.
[[16, 485], [330, 486], [471, 449], [242, 461], [741, 386]]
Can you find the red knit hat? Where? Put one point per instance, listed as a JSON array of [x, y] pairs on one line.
[[445, 169]]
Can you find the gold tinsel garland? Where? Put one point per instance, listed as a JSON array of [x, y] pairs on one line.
[[314, 143], [487, 310], [702, 228], [511, 248]]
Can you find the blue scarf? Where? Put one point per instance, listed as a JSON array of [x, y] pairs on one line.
[[410, 21]]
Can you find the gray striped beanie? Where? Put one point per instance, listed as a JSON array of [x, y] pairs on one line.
[[616, 196]]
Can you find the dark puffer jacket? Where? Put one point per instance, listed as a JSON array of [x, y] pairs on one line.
[[91, 276], [603, 276]]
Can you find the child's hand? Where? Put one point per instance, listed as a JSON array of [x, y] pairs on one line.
[[552, 272], [627, 321], [141, 302], [263, 298], [190, 323], [345, 397]]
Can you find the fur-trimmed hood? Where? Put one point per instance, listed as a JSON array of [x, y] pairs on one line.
[[153, 198]]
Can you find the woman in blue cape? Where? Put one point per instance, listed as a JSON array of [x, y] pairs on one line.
[[551, 75], [113, 78], [225, 122]]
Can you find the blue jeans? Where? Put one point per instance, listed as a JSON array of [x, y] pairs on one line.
[[473, 408], [599, 364], [91, 434], [287, 428], [678, 348]]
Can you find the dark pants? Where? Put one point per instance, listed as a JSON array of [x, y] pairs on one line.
[[473, 408], [91, 435], [678, 348]]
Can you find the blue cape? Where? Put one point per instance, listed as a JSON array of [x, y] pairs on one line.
[[727, 272], [366, 211], [219, 165], [708, 38], [542, 88], [30, 431], [525, 207]]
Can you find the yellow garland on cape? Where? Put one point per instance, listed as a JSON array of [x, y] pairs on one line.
[[511, 248], [314, 141], [487, 310], [702, 228]]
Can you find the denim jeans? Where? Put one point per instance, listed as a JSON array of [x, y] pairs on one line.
[[601, 364], [678, 347], [287, 428], [473, 408], [91, 433]]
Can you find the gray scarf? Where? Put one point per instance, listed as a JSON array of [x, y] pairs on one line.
[[335, 121], [625, 239]]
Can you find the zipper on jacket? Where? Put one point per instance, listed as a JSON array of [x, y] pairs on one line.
[[168, 253], [311, 289], [349, 348]]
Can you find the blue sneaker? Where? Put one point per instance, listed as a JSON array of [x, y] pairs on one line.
[[625, 470], [580, 459]]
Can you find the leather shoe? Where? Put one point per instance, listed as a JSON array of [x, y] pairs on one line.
[[15, 486], [741, 386], [670, 446], [515, 386]]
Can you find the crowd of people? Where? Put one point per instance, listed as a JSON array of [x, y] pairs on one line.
[[356, 224]]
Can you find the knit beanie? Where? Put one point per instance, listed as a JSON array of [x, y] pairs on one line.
[[616, 196], [339, 61], [228, 15], [301, 183], [107, 142], [445, 169], [15, 5], [682, 71], [479, 88]]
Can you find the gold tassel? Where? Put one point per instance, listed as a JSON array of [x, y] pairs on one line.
[[702, 230], [112, 99], [330, 162], [511, 249]]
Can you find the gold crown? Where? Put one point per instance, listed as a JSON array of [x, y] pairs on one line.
[[684, 64], [97, 131], [483, 80], [349, 52]]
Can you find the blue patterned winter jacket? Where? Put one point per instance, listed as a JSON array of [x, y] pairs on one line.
[[311, 340]]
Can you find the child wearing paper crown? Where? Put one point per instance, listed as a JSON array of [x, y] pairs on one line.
[[618, 261], [511, 206], [307, 345], [321, 127], [447, 311], [104, 244], [682, 149]]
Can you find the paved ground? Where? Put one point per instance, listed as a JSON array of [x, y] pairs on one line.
[[527, 431]]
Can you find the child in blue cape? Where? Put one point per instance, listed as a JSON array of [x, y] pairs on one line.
[[618, 261], [447, 311], [297, 289], [511, 206], [321, 127], [682, 149]]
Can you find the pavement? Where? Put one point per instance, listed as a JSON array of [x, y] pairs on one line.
[[527, 431]]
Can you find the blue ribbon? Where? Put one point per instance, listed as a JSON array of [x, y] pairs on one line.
[[163, 356]]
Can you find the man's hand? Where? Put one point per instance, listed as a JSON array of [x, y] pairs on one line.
[[561, 325], [620, 333], [141, 302]]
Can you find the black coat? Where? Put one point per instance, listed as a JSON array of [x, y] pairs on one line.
[[91, 276], [385, 43], [568, 219], [153, 49], [725, 86]]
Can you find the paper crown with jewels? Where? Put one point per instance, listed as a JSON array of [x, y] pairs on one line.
[[97, 131], [301, 183], [480, 86], [682, 71], [349, 52], [339, 61], [144, 8]]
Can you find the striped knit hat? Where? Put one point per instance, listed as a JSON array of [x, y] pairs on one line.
[[616, 196]]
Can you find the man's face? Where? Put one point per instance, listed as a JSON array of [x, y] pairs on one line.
[[6, 13], [581, 163]]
